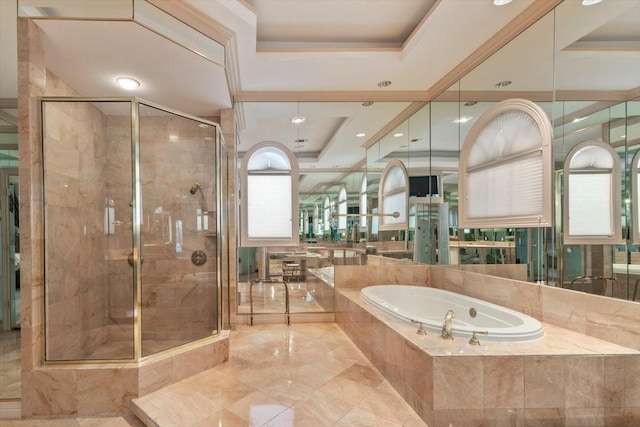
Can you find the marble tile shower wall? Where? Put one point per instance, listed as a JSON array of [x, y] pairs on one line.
[[76, 275]]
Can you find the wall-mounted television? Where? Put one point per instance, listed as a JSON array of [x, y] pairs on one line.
[[424, 186]]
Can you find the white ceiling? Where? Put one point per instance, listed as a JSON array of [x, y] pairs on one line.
[[330, 56]]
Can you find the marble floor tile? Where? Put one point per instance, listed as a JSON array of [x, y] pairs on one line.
[[272, 379], [302, 375]]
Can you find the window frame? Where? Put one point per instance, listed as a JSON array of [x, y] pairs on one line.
[[363, 203], [342, 208], [542, 219], [614, 200], [260, 241], [382, 195]]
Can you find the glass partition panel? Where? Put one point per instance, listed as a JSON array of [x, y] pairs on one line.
[[88, 230], [178, 229]]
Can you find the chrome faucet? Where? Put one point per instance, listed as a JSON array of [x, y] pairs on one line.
[[446, 326]]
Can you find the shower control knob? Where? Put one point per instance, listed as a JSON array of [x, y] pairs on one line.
[[198, 257]]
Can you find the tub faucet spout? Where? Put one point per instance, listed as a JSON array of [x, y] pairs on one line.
[[446, 326]]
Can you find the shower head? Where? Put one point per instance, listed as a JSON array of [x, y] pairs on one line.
[[194, 189]]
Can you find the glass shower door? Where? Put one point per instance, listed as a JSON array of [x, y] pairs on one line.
[[178, 230]]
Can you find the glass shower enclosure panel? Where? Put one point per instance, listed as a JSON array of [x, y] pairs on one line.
[[88, 239], [178, 229]]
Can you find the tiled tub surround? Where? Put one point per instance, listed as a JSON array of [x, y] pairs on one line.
[[566, 378]]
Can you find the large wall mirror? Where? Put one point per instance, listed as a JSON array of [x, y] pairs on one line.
[[579, 64]]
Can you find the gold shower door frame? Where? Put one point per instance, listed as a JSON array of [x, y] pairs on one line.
[[137, 258]]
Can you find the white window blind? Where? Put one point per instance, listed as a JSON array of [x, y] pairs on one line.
[[510, 189], [315, 220], [363, 202], [327, 215], [393, 197], [396, 202], [342, 209], [269, 206], [590, 212]]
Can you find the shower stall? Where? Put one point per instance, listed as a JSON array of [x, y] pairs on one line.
[[132, 249]]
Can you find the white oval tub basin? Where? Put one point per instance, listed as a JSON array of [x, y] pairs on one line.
[[430, 305]]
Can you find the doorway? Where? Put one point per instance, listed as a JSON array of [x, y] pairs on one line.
[[10, 249], [10, 292]]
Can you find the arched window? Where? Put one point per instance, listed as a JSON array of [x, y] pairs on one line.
[[342, 209], [326, 218], [591, 200], [393, 196], [315, 221], [269, 196], [505, 176], [363, 202]]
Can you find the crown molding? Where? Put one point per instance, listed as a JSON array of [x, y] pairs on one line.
[[333, 96], [397, 121], [211, 28], [524, 20]]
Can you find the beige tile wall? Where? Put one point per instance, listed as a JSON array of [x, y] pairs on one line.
[[613, 320]]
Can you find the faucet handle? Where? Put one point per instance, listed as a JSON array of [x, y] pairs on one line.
[[420, 330], [474, 337]]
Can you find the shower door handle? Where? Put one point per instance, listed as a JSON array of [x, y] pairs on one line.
[[130, 259]]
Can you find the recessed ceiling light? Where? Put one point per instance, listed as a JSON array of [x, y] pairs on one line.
[[367, 103], [384, 83], [501, 2], [503, 83], [470, 103], [298, 119], [463, 119], [203, 125], [173, 138], [590, 2], [398, 135], [128, 83], [361, 135]]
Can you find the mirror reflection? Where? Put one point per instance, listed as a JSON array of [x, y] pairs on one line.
[[580, 65]]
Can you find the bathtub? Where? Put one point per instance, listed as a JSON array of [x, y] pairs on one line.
[[429, 306]]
